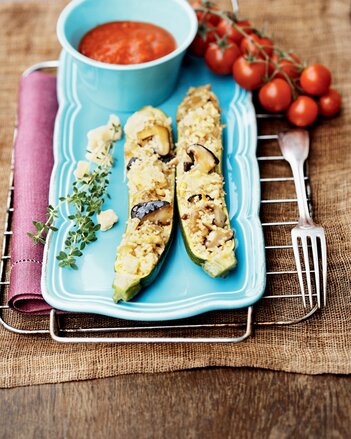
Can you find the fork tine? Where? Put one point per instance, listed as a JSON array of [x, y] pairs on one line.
[[307, 267], [324, 267], [316, 269], [298, 266]]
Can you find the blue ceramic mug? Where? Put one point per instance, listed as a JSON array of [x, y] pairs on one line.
[[127, 87]]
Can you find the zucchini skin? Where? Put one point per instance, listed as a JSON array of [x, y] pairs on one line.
[[216, 264], [125, 295], [127, 285], [205, 264]]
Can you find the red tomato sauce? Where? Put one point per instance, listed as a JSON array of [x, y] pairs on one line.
[[127, 42]]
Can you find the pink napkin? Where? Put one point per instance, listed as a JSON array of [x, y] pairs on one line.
[[33, 165]]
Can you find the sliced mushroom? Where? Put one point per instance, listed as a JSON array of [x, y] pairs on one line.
[[131, 161], [220, 216], [194, 100], [218, 237], [195, 197], [187, 165], [198, 197], [157, 211], [167, 158], [172, 162], [163, 145], [201, 157]]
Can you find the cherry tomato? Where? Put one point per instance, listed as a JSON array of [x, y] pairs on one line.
[[220, 56], [330, 103], [275, 96], [287, 66], [203, 38], [316, 80], [248, 45], [203, 16], [248, 75], [226, 28], [303, 111], [268, 45]]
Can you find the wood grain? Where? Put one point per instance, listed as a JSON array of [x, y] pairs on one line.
[[209, 403]]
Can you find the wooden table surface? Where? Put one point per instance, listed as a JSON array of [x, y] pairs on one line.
[[209, 403]]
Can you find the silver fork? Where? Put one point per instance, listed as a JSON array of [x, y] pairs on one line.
[[294, 145]]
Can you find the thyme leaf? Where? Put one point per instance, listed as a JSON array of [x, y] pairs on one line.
[[86, 198]]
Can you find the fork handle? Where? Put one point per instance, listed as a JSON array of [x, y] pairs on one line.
[[299, 180]]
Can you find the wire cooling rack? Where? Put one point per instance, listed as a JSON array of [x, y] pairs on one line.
[[281, 304]]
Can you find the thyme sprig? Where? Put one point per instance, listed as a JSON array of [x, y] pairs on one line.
[[87, 197], [42, 229]]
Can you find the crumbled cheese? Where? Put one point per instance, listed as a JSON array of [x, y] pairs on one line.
[[142, 243], [193, 182], [115, 126], [147, 116], [136, 123], [100, 141], [82, 171], [130, 264], [106, 219], [147, 174]]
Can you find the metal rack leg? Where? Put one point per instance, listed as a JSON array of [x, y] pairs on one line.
[[58, 336]]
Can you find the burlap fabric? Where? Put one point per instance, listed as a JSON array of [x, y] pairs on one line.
[[320, 31]]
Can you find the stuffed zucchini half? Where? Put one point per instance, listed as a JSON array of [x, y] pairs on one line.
[[200, 194], [149, 160]]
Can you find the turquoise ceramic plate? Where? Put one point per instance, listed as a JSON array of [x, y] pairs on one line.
[[182, 289]]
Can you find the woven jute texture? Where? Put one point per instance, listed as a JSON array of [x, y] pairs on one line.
[[319, 31]]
